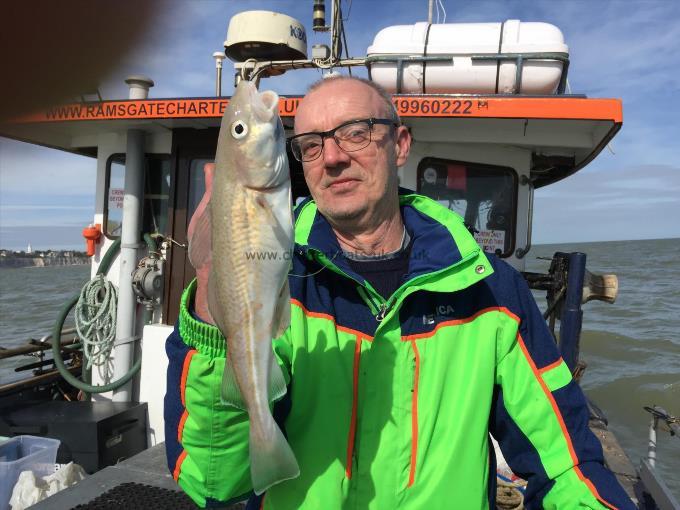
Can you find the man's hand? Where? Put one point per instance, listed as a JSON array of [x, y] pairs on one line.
[[202, 272]]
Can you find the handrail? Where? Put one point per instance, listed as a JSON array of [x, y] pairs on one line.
[[521, 252], [36, 346], [252, 69], [64, 331], [659, 414]]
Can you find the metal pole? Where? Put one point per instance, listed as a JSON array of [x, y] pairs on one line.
[[130, 242], [334, 56], [572, 315], [219, 56], [429, 11], [651, 446]]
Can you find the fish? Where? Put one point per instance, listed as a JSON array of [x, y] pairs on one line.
[[246, 232]]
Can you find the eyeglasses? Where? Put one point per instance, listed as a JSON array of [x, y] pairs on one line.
[[350, 136]]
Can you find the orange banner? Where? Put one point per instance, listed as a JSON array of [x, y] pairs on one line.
[[408, 106]]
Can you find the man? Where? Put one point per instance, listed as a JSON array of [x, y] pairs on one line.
[[385, 409]]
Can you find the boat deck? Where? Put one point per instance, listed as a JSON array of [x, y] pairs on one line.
[[147, 476], [147, 480], [617, 461]]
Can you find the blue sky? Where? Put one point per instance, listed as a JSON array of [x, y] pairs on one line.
[[624, 49]]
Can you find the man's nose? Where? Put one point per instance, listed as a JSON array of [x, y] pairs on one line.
[[332, 154]]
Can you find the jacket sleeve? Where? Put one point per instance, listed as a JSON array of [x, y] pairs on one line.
[[206, 441], [540, 416]]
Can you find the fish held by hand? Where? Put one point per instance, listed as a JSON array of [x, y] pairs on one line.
[[248, 226]]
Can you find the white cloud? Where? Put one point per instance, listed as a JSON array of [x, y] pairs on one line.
[[35, 170]]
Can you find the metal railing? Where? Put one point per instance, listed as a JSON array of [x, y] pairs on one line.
[[518, 58], [653, 483]]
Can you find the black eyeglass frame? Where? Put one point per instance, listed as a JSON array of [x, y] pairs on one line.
[[371, 121]]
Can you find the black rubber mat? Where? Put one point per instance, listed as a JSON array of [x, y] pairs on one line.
[[138, 496]]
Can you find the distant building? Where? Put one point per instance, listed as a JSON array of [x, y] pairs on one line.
[[29, 250]]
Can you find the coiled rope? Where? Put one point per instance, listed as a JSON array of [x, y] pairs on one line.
[[508, 496], [59, 325], [95, 318]]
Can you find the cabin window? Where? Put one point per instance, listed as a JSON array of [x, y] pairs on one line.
[[157, 185], [484, 195]]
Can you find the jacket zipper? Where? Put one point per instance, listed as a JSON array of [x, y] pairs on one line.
[[387, 306], [381, 313], [384, 307]]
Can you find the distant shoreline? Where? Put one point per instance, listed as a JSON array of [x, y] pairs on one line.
[[19, 263], [10, 260]]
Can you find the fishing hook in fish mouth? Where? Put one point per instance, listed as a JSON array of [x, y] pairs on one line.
[[246, 73]]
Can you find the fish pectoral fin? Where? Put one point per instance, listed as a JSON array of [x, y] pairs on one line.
[[277, 383], [231, 394], [200, 236], [281, 319], [266, 207]]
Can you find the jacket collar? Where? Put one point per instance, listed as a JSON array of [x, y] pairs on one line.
[[440, 239]]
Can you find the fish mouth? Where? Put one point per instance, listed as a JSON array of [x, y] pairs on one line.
[[265, 104]]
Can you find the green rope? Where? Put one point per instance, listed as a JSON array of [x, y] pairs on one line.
[[95, 317], [56, 332]]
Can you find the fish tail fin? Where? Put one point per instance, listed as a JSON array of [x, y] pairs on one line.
[[271, 458]]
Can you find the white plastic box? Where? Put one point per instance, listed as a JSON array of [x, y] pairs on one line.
[[460, 74], [22, 453]]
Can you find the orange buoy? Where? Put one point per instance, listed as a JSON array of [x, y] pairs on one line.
[[92, 235]]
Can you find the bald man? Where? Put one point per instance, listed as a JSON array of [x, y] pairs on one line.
[[407, 346]]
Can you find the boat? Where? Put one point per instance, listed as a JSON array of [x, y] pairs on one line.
[[491, 124]]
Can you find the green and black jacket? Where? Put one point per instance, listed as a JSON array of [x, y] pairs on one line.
[[390, 403]]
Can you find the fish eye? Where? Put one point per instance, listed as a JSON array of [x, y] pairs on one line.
[[239, 129]]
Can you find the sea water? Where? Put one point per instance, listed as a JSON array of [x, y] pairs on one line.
[[632, 347]]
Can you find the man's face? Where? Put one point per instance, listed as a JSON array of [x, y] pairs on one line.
[[352, 189]]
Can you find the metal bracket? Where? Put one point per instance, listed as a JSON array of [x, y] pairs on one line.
[[127, 340]]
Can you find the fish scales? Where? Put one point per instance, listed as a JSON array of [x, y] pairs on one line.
[[243, 238]]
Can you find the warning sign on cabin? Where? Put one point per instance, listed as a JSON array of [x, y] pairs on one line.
[[491, 240], [116, 196]]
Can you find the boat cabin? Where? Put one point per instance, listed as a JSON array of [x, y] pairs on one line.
[[490, 120]]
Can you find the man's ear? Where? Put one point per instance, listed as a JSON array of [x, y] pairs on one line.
[[403, 145]]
